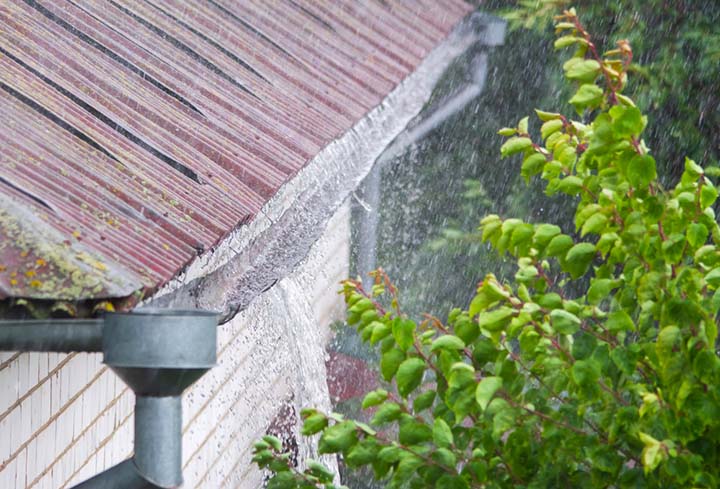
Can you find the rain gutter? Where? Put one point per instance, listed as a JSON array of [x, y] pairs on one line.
[[158, 354], [254, 257]]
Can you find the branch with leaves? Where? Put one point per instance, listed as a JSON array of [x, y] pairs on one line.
[[535, 385]]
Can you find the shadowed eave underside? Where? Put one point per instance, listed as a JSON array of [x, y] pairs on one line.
[[137, 135]]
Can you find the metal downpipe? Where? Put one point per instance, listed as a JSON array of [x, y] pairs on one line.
[[57, 335], [158, 354], [157, 462]]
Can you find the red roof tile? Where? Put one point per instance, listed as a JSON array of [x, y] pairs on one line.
[[137, 134]]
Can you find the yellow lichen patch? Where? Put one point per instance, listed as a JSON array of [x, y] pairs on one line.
[[52, 267], [104, 306]]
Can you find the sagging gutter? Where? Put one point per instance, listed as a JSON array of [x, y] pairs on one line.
[[158, 354]]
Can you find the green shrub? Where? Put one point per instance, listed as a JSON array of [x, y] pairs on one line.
[[596, 367]]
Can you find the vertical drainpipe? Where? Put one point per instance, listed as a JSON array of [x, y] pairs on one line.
[[491, 33], [158, 354]]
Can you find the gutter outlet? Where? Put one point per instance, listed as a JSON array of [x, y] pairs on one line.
[[158, 354]]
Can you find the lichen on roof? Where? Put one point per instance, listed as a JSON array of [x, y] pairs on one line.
[[39, 262]]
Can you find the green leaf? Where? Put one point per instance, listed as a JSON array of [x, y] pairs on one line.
[[361, 306], [599, 289], [565, 41], [408, 466], [578, 259], [522, 234], [491, 230], [413, 432], [424, 401], [588, 95], [387, 412], [314, 424], [495, 320], [389, 363], [652, 454], [379, 331], [442, 434], [564, 322], [559, 245], [447, 342], [338, 438], [627, 121], [461, 375], [282, 480], [697, 234], [467, 330], [606, 242], [515, 145], [273, 441], [551, 300], [503, 421], [544, 233], [618, 321], [318, 470], [445, 457], [667, 339], [486, 389], [550, 127], [623, 359], [409, 375], [374, 398], [594, 224], [585, 70], [403, 331], [673, 247], [641, 171], [713, 278], [363, 453], [708, 195], [523, 125], [547, 116], [570, 185], [532, 165], [585, 373], [529, 340], [390, 454]]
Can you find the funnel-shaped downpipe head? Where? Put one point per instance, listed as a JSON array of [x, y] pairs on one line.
[[158, 353]]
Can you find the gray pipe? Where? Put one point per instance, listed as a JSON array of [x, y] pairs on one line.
[[158, 439], [58, 335], [159, 354], [124, 475], [157, 462]]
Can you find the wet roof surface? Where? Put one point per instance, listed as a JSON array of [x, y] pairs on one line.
[[136, 134]]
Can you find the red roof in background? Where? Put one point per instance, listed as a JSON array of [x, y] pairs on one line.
[[135, 134]]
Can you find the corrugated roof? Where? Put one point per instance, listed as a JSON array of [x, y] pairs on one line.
[[136, 134]]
